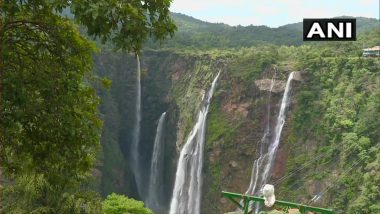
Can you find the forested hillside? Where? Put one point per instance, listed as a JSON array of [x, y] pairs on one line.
[[196, 34]]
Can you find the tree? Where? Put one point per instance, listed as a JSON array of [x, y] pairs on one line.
[[33, 193], [368, 199], [49, 119], [127, 25], [119, 204], [49, 124]]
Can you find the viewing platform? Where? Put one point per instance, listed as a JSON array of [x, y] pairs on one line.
[[243, 202]]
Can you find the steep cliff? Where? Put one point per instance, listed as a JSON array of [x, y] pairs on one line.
[[328, 134], [175, 82]]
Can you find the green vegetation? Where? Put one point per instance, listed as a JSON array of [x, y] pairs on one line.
[[50, 127], [337, 111], [127, 25], [333, 114], [49, 118], [252, 61], [118, 204], [219, 127], [196, 34]]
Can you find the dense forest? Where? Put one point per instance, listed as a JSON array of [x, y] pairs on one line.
[[68, 108]]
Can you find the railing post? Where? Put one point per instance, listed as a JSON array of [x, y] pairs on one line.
[[246, 204]]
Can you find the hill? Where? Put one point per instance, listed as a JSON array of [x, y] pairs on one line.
[[199, 34]]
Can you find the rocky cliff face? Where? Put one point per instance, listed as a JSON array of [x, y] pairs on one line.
[[171, 82], [239, 117], [330, 125], [175, 83]]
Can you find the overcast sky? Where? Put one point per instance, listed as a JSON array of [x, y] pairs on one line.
[[273, 13]]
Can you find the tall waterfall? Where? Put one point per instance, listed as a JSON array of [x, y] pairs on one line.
[[155, 180], [263, 164], [187, 188], [136, 132], [264, 142]]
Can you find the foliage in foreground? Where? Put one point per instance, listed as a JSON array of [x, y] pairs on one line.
[[49, 119], [35, 194], [119, 204], [49, 123]]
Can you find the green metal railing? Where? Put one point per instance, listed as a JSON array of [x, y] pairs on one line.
[[282, 205]]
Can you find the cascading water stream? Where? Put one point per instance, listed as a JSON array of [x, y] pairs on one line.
[[263, 164], [155, 180], [187, 188], [279, 125], [136, 132], [264, 142]]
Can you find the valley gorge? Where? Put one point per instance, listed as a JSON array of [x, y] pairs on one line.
[[243, 112]]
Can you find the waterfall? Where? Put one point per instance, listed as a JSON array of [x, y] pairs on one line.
[[155, 180], [279, 125], [188, 182], [136, 132], [264, 142], [263, 164]]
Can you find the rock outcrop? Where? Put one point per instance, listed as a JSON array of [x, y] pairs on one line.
[[279, 85]]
